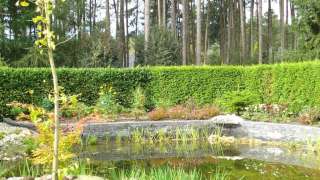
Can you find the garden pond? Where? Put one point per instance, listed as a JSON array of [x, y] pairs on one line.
[[241, 161]]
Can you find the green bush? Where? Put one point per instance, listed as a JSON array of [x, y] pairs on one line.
[[237, 101], [107, 103], [296, 85]]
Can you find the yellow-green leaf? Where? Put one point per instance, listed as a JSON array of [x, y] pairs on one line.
[[24, 3]]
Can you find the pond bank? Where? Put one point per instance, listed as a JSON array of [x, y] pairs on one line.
[[230, 125]]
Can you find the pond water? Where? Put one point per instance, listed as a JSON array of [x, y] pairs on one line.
[[241, 161]]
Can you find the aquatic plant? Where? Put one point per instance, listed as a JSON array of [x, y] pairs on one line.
[[91, 140], [118, 139], [136, 136], [164, 173], [220, 174], [161, 136]]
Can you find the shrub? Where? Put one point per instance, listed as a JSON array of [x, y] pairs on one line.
[[107, 103], [296, 84], [158, 114], [309, 115], [184, 112], [139, 102], [237, 101], [70, 106]]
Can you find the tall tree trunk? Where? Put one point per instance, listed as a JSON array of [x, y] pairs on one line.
[[108, 35], [282, 30], [206, 34], [184, 32], [146, 26], [94, 13], [229, 19], [90, 17], [115, 6], [270, 48], [159, 13], [243, 32], [164, 14], [198, 38], [121, 34], [260, 33], [136, 32], [127, 36], [287, 25], [192, 28], [293, 21], [173, 17]]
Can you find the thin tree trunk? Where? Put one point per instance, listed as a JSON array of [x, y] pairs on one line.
[[159, 13], [55, 162], [107, 18], [121, 37], [293, 19], [90, 17], [198, 37], [164, 17], [260, 33], [173, 17], [94, 13], [192, 28], [243, 33], [286, 26], [282, 31], [270, 53], [206, 35], [229, 17], [127, 36], [136, 32], [146, 26], [184, 31], [115, 6], [108, 35]]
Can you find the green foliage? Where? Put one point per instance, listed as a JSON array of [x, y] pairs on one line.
[[139, 102], [2, 135], [237, 101], [295, 84], [107, 103], [30, 144], [70, 106], [157, 174], [308, 22], [2, 63], [163, 49]]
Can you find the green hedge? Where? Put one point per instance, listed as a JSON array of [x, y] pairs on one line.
[[296, 84]]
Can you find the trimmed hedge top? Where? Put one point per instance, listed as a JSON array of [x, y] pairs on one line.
[[296, 84]]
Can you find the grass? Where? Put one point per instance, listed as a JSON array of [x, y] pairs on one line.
[[82, 167], [168, 173]]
